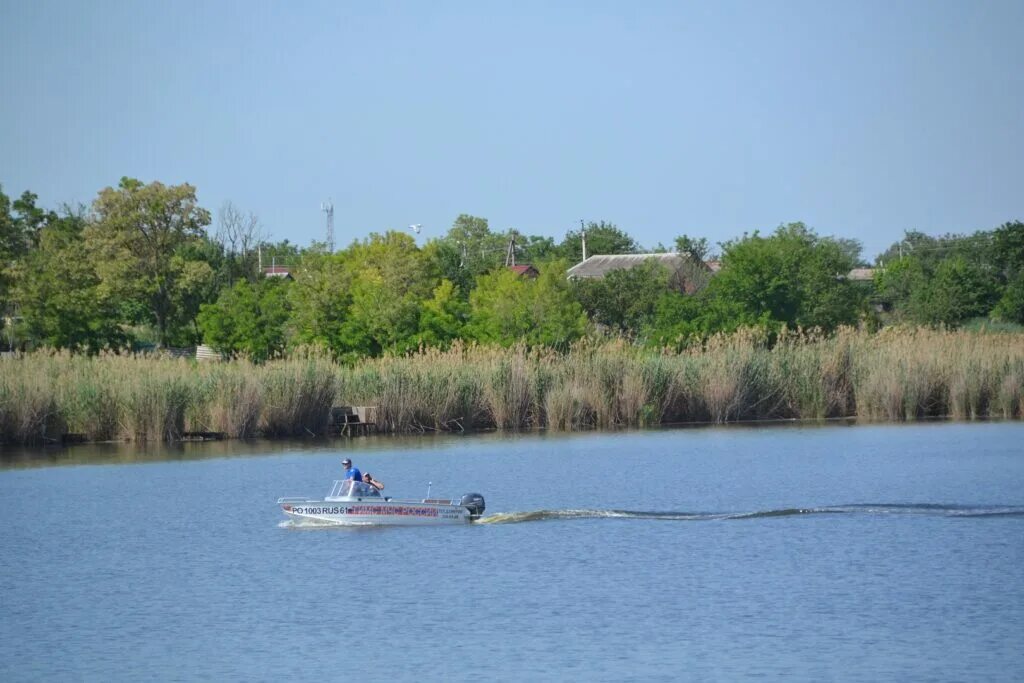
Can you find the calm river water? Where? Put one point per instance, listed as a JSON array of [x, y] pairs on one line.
[[845, 553]]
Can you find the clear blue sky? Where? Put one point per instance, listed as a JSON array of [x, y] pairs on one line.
[[861, 119]]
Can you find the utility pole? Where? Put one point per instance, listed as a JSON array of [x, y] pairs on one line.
[[583, 236], [510, 254]]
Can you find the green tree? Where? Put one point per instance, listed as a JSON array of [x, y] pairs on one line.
[[947, 279], [602, 238], [1008, 249], [506, 308], [20, 224], [138, 241], [1010, 307], [8, 239], [792, 277], [391, 278], [535, 249], [625, 300], [696, 248], [282, 253], [897, 282], [681, 319], [442, 317], [468, 250], [248, 318], [58, 291], [320, 298], [930, 250], [957, 290]]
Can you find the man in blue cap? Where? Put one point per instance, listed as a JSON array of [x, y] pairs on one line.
[[350, 471]]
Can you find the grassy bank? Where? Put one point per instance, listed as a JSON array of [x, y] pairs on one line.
[[894, 375]]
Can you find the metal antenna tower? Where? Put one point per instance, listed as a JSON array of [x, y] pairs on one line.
[[328, 208]]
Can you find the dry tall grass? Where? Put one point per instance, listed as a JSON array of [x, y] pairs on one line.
[[898, 374]]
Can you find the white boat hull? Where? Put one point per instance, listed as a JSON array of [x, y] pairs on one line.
[[390, 513], [357, 503]]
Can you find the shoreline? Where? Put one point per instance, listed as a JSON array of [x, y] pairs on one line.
[[901, 375]]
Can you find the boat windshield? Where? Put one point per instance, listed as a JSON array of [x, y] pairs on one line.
[[350, 488]]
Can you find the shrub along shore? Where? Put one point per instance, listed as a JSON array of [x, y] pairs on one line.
[[894, 375]]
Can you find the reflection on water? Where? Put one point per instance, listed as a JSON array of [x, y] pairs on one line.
[[125, 453]]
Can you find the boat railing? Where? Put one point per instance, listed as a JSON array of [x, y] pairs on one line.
[[349, 488]]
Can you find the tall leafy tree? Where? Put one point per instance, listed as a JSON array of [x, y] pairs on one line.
[[535, 249], [282, 253], [681, 319], [58, 291], [1008, 249], [694, 247], [139, 239], [8, 240], [319, 299], [602, 238], [442, 317], [947, 279], [506, 308], [391, 277], [468, 250], [624, 301], [1010, 307], [956, 291], [248, 318], [897, 282], [20, 224], [793, 277]]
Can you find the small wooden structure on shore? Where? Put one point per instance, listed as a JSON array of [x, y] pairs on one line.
[[353, 420]]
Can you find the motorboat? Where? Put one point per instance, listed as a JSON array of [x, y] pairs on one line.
[[352, 502]]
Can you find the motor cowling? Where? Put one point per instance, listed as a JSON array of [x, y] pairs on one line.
[[473, 502]]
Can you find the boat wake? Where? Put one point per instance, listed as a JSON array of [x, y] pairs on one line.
[[933, 510]]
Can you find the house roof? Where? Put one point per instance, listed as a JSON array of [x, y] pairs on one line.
[[686, 272], [861, 274], [524, 269], [600, 265], [277, 271]]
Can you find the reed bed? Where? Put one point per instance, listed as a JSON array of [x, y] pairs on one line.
[[895, 375]]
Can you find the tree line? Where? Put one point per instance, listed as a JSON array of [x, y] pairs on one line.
[[146, 264]]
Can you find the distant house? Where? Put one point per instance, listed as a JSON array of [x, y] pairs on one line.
[[861, 275], [865, 277], [688, 275], [278, 271], [525, 270]]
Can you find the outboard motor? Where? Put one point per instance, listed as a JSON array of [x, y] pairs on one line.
[[474, 502]]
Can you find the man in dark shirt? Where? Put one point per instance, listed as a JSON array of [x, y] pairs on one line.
[[350, 471]]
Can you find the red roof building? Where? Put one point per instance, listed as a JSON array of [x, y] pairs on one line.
[[525, 270], [278, 271]]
